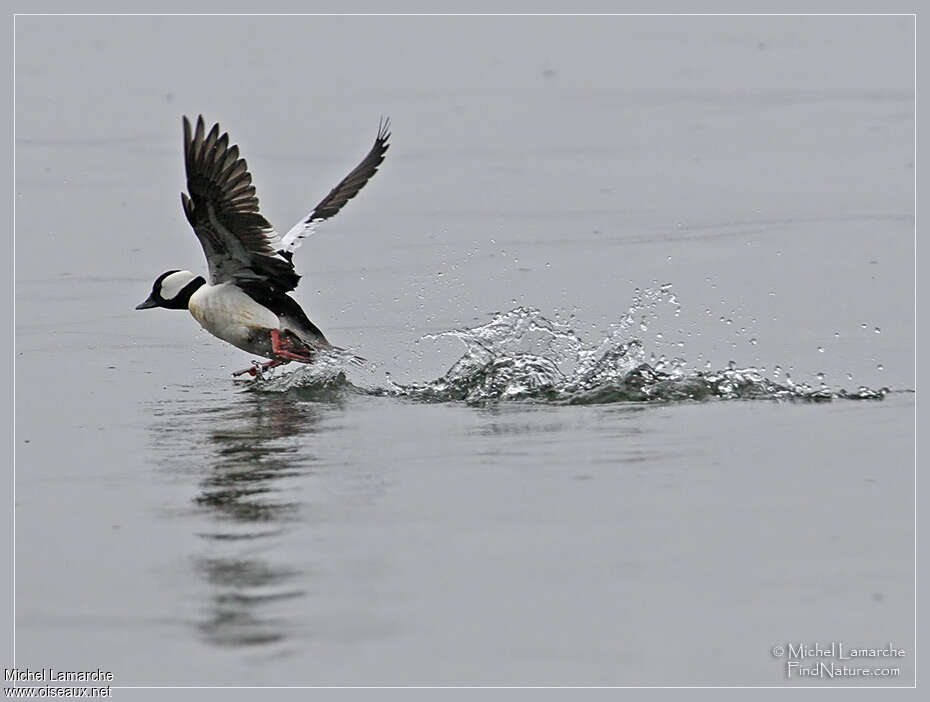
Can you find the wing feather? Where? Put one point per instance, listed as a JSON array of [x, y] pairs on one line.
[[347, 188], [223, 210]]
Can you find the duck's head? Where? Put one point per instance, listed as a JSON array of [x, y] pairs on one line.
[[172, 290]]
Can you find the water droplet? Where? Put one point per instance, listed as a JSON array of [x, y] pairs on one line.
[[820, 349], [772, 293], [880, 367], [548, 264], [754, 341], [877, 330], [863, 325], [729, 321], [849, 376], [836, 335]]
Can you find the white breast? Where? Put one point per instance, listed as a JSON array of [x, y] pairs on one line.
[[228, 313]]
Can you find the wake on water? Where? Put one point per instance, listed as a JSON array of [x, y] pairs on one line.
[[521, 355]]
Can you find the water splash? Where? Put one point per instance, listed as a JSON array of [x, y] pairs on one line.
[[520, 355], [324, 380]]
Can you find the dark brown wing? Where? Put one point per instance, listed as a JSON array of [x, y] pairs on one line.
[[347, 189], [222, 208]]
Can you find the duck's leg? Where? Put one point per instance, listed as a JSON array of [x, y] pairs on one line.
[[258, 368], [281, 349]]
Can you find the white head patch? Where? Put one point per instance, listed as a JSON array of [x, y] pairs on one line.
[[174, 284]]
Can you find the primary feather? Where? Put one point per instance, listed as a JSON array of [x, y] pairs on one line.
[[347, 188], [239, 244]]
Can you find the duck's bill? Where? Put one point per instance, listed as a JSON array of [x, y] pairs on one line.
[[147, 304]]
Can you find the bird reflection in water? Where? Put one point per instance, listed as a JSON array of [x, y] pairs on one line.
[[253, 448]]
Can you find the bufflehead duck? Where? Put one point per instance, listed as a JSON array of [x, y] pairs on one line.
[[245, 302]]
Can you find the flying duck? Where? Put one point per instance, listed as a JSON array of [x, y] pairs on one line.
[[244, 301]]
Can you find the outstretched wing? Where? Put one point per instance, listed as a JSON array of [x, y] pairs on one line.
[[222, 208], [341, 194]]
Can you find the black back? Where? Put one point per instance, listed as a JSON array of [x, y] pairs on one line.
[[280, 303]]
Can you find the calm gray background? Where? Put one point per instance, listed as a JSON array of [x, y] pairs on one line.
[[177, 529]]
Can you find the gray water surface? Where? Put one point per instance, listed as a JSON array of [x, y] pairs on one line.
[[179, 527]]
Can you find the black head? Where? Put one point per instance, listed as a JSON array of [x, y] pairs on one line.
[[172, 290]]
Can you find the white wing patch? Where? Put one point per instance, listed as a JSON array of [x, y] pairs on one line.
[[291, 241]]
